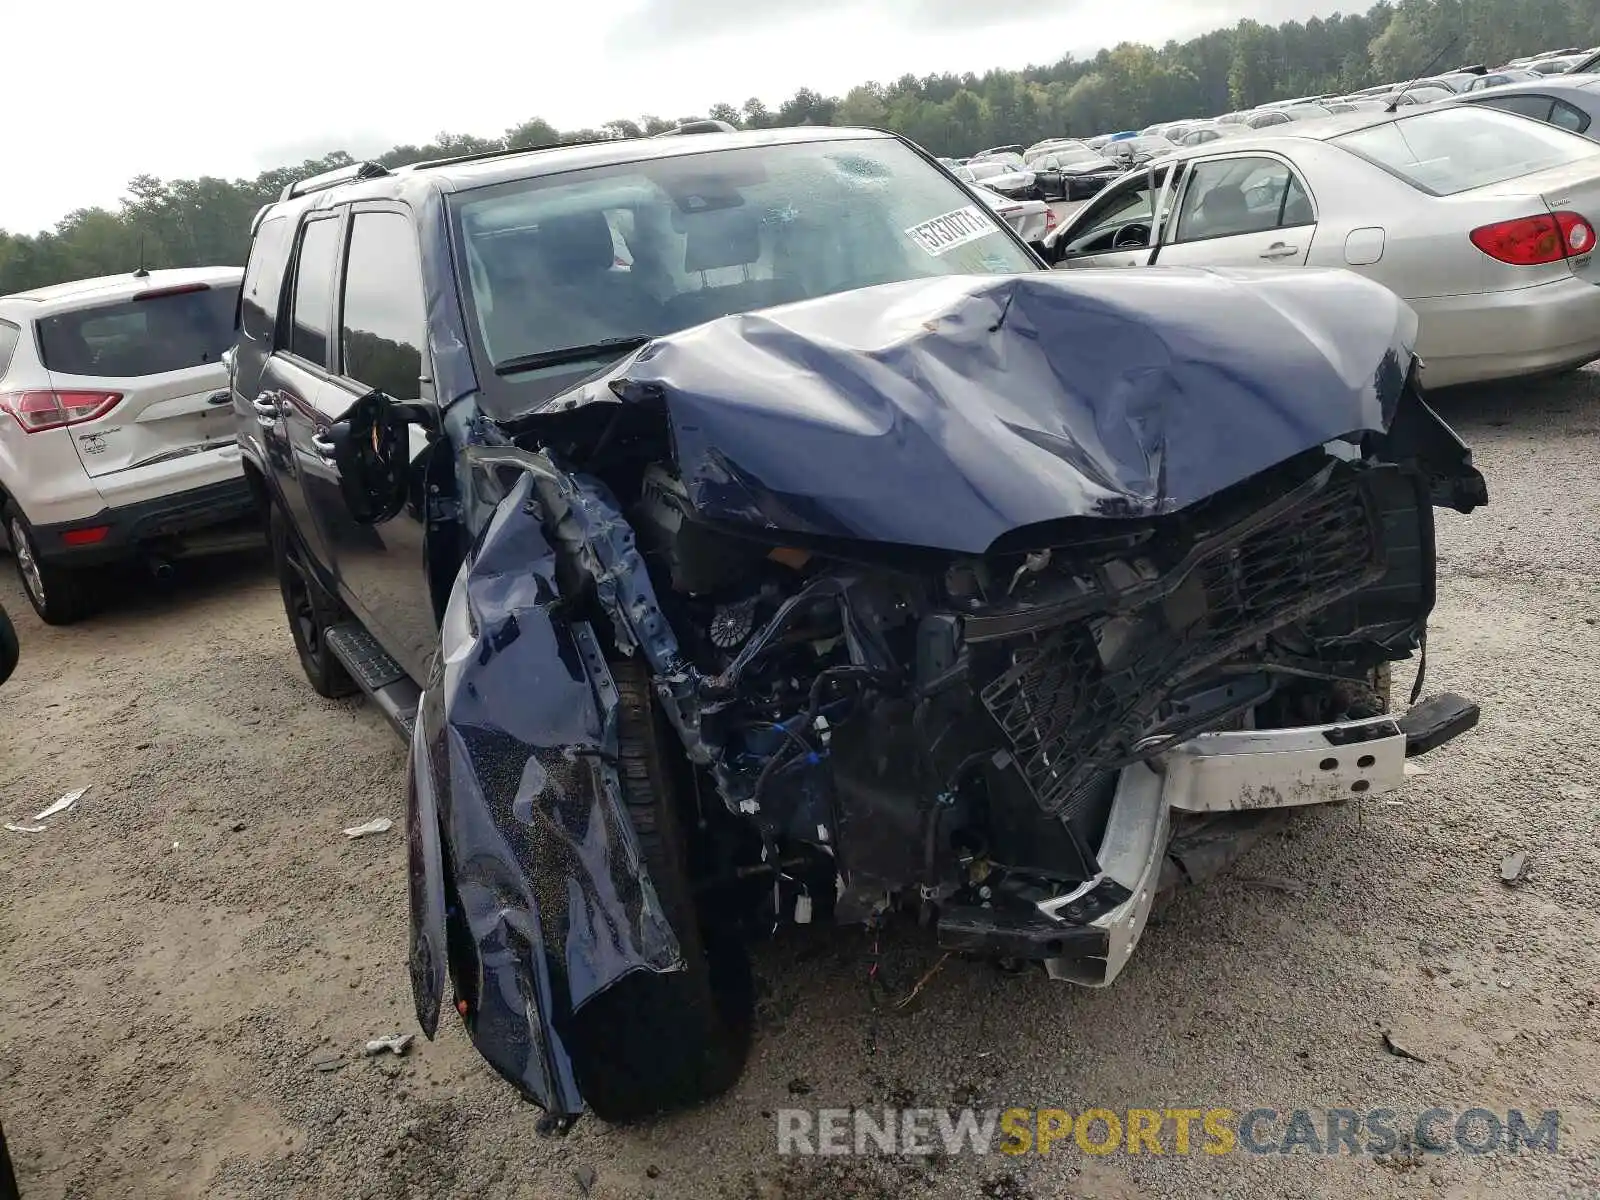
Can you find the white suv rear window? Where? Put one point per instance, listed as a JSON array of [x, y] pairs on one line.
[[150, 335]]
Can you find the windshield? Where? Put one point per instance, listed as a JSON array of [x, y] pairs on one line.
[[598, 257], [1451, 150]]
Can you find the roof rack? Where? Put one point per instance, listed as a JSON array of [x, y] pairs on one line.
[[697, 127], [328, 179], [498, 152]]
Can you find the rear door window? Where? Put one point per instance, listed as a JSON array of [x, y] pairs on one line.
[[1242, 195], [311, 315], [382, 330], [153, 334], [263, 279], [9, 334]]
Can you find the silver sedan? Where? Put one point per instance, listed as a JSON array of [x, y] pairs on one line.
[[1483, 221]]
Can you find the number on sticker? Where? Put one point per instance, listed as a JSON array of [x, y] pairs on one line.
[[944, 233]]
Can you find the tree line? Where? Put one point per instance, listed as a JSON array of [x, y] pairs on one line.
[[184, 222]]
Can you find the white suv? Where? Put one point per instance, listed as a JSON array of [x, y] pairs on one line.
[[116, 434]]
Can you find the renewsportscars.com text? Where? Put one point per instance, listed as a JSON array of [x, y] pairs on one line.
[[1167, 1131]]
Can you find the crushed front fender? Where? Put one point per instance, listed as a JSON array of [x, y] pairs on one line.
[[527, 883]]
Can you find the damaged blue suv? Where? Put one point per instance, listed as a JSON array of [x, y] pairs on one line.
[[749, 528]]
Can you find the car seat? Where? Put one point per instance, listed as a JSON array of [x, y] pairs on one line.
[[716, 241], [591, 300]]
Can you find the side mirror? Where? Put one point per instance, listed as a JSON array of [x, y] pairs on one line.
[[1052, 249], [373, 453], [1051, 252]]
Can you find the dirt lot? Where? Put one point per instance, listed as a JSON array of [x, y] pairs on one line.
[[180, 949]]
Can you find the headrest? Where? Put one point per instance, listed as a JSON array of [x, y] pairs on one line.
[[725, 237], [576, 242], [1223, 203]]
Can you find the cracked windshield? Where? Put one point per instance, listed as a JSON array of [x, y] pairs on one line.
[[585, 265]]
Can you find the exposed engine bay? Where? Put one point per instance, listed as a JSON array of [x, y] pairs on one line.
[[947, 730]]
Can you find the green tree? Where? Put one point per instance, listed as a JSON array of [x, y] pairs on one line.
[[864, 105], [531, 135]]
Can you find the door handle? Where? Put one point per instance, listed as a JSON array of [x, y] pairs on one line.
[[323, 445], [266, 406], [1279, 250]]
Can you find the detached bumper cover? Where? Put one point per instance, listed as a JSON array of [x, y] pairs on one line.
[[1087, 936]]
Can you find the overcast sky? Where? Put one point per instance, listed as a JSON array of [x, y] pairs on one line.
[[102, 90]]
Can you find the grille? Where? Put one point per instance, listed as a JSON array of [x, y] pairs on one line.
[[1072, 700]]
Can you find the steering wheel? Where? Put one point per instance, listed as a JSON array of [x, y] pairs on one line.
[[1132, 237]]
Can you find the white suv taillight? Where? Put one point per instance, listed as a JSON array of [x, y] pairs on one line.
[[45, 409]]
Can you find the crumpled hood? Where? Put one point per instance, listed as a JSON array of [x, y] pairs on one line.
[[945, 412]]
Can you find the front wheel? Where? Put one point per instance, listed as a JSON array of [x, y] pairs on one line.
[[653, 1042], [60, 595], [311, 612]]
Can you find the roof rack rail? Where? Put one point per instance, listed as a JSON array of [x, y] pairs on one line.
[[333, 178], [501, 152], [708, 126]]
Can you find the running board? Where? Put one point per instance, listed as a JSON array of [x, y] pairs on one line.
[[377, 674]]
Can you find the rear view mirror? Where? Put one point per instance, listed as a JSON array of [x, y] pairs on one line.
[[372, 450]]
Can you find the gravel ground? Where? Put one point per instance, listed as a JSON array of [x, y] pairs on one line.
[[181, 950]]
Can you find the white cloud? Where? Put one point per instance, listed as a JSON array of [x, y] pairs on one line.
[[184, 87]]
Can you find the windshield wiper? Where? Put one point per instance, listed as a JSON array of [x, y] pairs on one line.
[[569, 354]]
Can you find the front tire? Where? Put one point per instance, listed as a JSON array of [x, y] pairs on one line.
[[654, 1042], [311, 612], [60, 595]]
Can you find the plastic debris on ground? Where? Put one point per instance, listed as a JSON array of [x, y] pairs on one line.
[[1399, 1051], [1513, 867], [398, 1044], [59, 806], [1275, 883], [378, 825]]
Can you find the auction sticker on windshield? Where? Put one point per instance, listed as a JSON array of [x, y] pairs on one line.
[[942, 234]]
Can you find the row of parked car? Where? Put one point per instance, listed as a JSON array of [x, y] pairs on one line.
[[1075, 169]]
